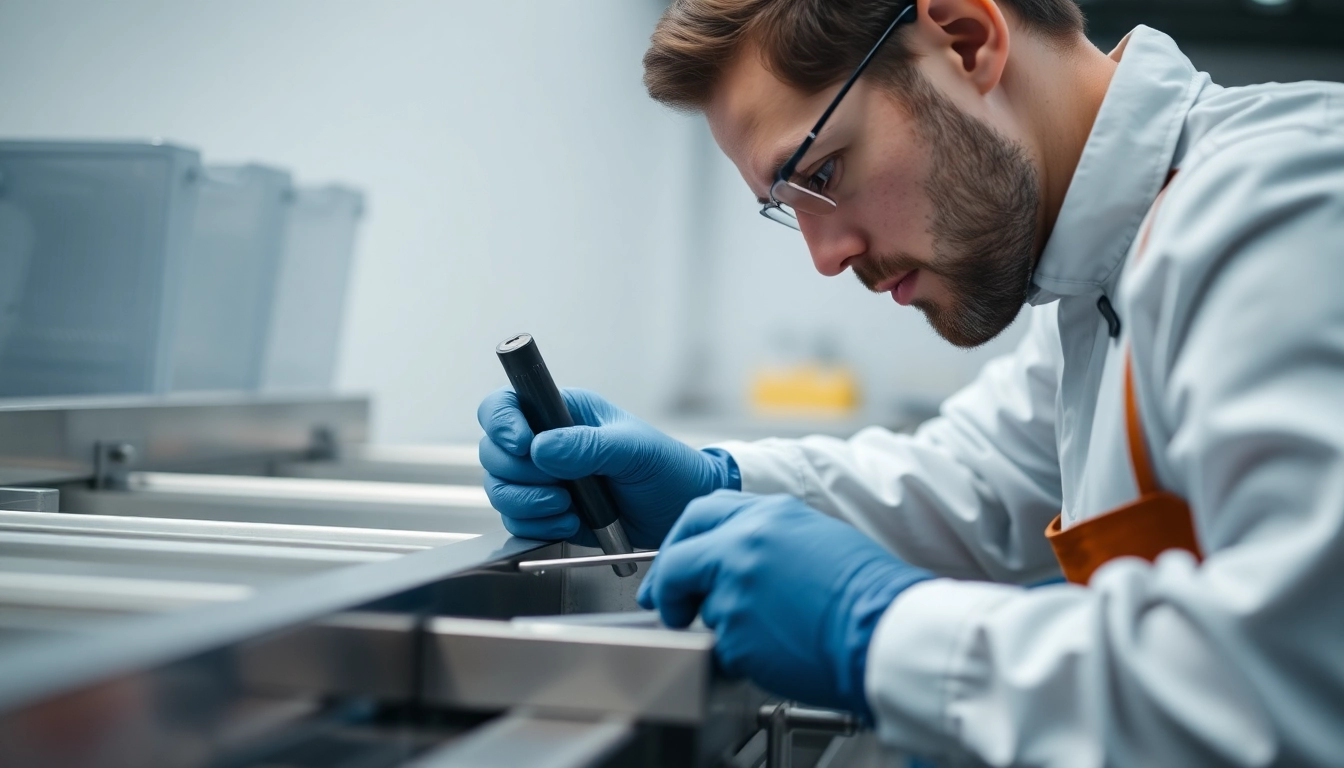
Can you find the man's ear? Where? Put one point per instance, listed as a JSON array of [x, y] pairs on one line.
[[972, 35]]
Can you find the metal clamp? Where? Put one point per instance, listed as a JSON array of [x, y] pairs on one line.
[[782, 719], [324, 445], [112, 460]]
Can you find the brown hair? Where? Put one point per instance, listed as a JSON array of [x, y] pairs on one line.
[[809, 44]]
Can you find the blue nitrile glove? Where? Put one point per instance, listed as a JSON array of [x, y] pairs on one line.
[[652, 476], [793, 595]]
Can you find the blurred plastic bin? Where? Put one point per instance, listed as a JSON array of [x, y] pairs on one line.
[[92, 239], [310, 296], [228, 292]]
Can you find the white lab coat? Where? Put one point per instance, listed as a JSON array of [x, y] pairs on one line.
[[1236, 318]]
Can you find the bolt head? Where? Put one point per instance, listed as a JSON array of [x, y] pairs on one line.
[[122, 453]]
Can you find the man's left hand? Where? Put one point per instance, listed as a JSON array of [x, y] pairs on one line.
[[793, 595]]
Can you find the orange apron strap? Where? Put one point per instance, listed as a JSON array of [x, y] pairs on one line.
[[1144, 528], [1138, 446], [1147, 527]]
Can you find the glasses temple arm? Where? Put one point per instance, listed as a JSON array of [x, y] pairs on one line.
[[786, 170]]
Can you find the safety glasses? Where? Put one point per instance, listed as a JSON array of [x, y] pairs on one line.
[[788, 197]]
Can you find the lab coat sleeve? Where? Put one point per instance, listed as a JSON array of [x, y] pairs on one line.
[[1237, 323], [968, 495]]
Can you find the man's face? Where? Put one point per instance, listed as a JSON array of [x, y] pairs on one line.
[[933, 205]]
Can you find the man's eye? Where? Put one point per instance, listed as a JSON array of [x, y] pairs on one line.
[[821, 178]]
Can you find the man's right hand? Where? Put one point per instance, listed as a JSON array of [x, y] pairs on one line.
[[652, 476]]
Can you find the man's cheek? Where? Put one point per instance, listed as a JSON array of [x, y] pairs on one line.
[[933, 291]]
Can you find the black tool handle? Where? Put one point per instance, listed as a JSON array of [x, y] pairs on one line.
[[545, 410]]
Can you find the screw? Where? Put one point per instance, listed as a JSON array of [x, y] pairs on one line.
[[121, 453]]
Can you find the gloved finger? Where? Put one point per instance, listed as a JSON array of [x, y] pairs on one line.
[[574, 452], [720, 607], [504, 423], [722, 611], [680, 578], [506, 466], [700, 516], [588, 407], [553, 528], [524, 502], [707, 513]]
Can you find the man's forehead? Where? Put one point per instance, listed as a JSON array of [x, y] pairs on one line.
[[757, 119]]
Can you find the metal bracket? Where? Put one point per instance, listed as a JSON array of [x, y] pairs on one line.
[[112, 460], [783, 718], [325, 444], [30, 499]]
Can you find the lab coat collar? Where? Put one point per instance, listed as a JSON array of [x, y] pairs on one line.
[[1123, 167]]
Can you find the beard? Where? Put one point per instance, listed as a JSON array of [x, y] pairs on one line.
[[985, 196]]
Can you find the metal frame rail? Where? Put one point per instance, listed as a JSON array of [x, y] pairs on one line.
[[231, 581]]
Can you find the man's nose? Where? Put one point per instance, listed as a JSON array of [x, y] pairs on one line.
[[832, 242]]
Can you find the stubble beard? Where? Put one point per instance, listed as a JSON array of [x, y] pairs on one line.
[[985, 196]]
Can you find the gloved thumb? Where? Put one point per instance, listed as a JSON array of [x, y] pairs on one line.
[[573, 452]]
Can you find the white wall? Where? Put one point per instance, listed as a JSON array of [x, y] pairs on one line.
[[518, 178]]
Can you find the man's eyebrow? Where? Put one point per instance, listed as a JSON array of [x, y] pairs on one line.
[[776, 165], [781, 157]]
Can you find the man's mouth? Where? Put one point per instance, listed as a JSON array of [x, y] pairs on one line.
[[901, 287]]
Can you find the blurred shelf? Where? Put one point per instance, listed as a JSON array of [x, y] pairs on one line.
[[1243, 22]]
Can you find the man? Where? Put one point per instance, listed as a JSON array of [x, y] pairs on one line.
[[1173, 413]]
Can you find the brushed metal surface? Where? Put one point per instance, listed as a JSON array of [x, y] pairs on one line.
[[63, 591], [170, 645], [113, 550], [534, 740], [363, 653], [146, 618], [30, 499], [332, 510], [656, 674], [52, 441], [471, 497], [168, 529], [439, 464]]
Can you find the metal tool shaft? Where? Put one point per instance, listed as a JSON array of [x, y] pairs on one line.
[[537, 566]]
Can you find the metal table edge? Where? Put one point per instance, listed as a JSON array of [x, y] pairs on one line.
[[34, 674]]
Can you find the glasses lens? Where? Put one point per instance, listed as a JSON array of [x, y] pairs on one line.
[[801, 198], [780, 214]]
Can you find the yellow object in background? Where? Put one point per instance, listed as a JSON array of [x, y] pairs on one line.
[[805, 390]]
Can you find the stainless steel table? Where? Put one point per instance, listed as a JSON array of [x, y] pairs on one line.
[[244, 581]]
